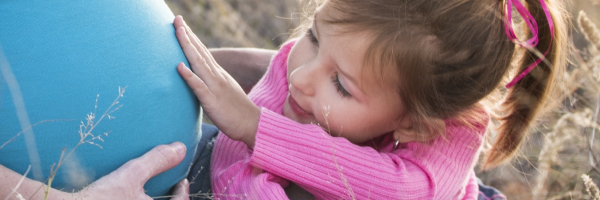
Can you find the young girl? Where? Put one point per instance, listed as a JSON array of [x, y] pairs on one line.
[[379, 99]]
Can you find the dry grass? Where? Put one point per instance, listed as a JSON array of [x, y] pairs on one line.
[[559, 151], [591, 187], [86, 135], [239, 23]]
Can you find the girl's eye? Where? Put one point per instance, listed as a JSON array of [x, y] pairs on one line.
[[340, 87], [312, 37]]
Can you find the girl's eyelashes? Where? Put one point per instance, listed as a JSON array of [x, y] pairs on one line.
[[339, 86], [312, 37]]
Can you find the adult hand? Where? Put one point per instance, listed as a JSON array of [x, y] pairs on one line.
[[127, 182], [223, 100]]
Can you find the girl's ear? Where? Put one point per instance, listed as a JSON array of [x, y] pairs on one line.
[[406, 130]]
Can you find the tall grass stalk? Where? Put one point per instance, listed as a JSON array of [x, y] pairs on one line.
[[589, 29], [339, 169], [30, 127], [591, 187]]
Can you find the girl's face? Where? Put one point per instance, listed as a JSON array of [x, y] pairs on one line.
[[327, 85]]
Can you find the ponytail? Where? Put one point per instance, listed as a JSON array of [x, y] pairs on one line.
[[526, 98]]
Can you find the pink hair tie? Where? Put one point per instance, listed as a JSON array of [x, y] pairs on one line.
[[533, 27]]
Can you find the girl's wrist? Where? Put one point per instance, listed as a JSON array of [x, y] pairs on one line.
[[250, 134]]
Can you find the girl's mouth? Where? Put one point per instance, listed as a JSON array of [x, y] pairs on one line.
[[296, 108]]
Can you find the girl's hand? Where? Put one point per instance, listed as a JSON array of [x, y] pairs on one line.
[[222, 98]]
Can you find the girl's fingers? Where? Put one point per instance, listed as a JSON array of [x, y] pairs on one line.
[[198, 86], [200, 48], [189, 32], [177, 21], [197, 61], [198, 55], [197, 43]]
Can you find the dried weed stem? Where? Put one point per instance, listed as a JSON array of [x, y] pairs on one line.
[[591, 187], [589, 29], [565, 129], [86, 136]]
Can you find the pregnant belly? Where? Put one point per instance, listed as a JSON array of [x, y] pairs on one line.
[[63, 65]]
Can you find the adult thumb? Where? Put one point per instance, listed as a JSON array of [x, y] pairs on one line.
[[161, 158]]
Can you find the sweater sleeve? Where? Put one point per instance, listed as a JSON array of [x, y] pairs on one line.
[[234, 178], [472, 189], [332, 167]]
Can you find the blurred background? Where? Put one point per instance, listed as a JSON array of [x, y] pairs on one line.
[[240, 23], [564, 146]]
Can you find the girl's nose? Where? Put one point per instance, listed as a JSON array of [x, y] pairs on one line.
[[303, 79]]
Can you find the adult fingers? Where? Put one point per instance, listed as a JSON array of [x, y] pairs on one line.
[[161, 158], [181, 190]]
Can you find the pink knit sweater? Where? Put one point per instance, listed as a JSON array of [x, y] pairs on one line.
[[334, 168]]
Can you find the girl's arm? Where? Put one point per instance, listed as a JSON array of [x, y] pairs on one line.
[[245, 65], [332, 167]]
